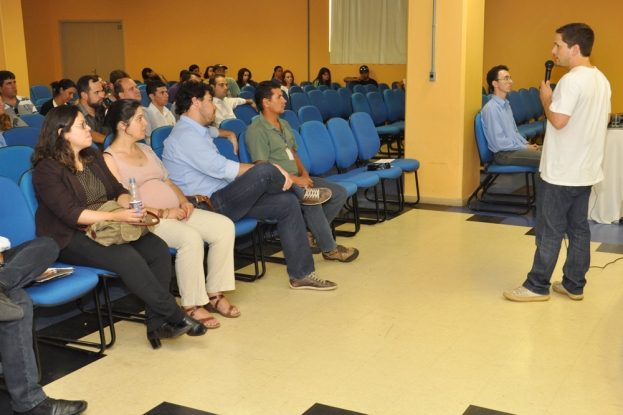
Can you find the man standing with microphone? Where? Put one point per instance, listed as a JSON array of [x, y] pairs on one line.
[[577, 118]]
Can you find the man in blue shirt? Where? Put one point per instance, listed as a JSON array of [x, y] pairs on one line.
[[239, 190], [508, 146]]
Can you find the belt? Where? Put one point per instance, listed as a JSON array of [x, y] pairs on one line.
[[201, 198]]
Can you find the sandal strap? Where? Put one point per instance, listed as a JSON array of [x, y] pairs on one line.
[[218, 299], [192, 310]]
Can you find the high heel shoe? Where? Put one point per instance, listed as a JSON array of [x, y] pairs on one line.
[[166, 331], [195, 328]]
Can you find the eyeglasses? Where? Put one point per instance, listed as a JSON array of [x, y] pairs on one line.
[[82, 125], [506, 78]]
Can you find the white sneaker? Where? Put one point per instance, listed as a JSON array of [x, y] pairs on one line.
[[559, 288], [523, 294]]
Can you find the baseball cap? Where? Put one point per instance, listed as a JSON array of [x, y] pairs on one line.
[[363, 69], [219, 66]]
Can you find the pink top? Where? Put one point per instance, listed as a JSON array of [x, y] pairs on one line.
[[150, 179]]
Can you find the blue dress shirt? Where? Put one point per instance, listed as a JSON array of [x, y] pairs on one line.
[[193, 161], [499, 126]]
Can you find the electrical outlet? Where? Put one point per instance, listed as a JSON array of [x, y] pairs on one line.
[[433, 76]]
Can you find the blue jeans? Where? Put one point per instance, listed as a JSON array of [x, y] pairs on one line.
[[24, 263], [319, 217], [258, 194], [560, 210]]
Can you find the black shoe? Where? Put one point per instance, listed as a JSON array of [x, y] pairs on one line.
[[9, 311], [195, 327], [166, 331], [56, 407]]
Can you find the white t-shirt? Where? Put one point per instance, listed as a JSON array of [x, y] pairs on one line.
[[225, 108], [572, 156]]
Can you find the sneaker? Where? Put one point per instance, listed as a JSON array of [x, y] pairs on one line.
[[342, 254], [312, 244], [523, 294], [315, 196], [559, 288], [312, 282]]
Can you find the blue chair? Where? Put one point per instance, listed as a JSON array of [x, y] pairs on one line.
[[108, 141], [243, 151], [532, 111], [335, 86], [485, 99], [360, 104], [298, 101], [292, 119], [318, 100], [42, 101], [296, 90], [400, 94], [287, 98], [141, 87], [382, 88], [249, 88], [33, 120], [323, 88], [335, 103], [246, 95], [305, 83], [145, 101], [245, 113], [309, 113], [371, 88], [536, 101], [379, 113], [392, 105], [347, 107], [157, 139], [25, 185], [38, 92], [308, 88], [493, 171], [14, 161], [351, 85], [361, 89], [235, 125], [520, 113], [170, 84], [22, 136], [226, 149]]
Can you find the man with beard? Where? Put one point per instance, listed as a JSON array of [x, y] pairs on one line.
[[91, 95]]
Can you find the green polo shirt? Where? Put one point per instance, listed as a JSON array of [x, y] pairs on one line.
[[266, 142]]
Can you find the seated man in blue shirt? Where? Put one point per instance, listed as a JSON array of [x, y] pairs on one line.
[[239, 190], [508, 146]]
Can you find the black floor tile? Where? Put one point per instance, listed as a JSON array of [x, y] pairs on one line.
[[166, 408], [319, 409], [486, 218], [611, 248], [477, 410]]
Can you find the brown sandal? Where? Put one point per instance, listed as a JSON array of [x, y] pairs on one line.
[[214, 308], [191, 312]]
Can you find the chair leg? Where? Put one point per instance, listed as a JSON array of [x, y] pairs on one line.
[[258, 259]]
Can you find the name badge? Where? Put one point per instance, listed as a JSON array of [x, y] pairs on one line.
[[289, 153]]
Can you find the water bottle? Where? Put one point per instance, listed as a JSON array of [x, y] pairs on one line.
[[135, 196]]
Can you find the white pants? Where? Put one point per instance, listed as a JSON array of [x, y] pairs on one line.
[[187, 238]]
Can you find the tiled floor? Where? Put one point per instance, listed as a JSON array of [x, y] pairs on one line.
[[417, 326]]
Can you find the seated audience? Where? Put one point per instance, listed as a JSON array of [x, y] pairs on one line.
[[173, 90], [63, 91], [277, 75], [363, 78], [244, 78], [323, 78], [125, 88], [508, 146], [288, 81], [91, 106], [195, 69], [5, 123], [181, 227], [187, 76], [20, 266], [159, 114], [114, 77], [149, 74], [14, 105], [232, 86], [270, 139], [209, 73], [225, 105], [239, 190], [71, 182]]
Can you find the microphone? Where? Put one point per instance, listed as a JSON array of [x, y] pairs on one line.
[[549, 65]]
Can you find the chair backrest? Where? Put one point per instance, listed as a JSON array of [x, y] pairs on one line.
[[308, 88], [246, 94], [391, 104], [28, 190], [33, 120], [226, 149], [292, 119], [400, 94], [16, 219], [536, 101], [344, 143], [42, 101], [108, 140], [517, 106], [157, 139], [249, 88], [335, 103], [319, 147], [170, 84], [287, 98], [301, 150], [305, 83], [335, 86], [368, 142], [245, 113], [142, 86], [14, 161], [145, 101], [351, 85], [345, 96], [527, 100], [360, 103], [372, 88], [359, 88], [323, 88], [21, 136], [298, 101], [486, 156], [39, 92], [395, 85], [235, 125], [309, 113], [243, 151], [485, 99], [383, 87], [377, 106], [318, 100], [296, 90]]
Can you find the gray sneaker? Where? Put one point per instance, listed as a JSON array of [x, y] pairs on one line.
[[559, 288], [315, 196], [312, 244], [312, 282], [522, 294]]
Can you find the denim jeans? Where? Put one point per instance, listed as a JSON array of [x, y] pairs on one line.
[[530, 158], [560, 210], [23, 264], [319, 217], [258, 194]]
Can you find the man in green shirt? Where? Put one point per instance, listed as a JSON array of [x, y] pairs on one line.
[[270, 139]]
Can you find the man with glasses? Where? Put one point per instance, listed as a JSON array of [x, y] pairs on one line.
[[91, 105], [503, 139], [14, 105]]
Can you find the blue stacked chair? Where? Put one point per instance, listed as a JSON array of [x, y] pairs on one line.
[[245, 113], [360, 104], [372, 88], [305, 83], [520, 113], [351, 85], [318, 100], [335, 86], [346, 96], [308, 88], [298, 101], [249, 88], [108, 140], [14, 161], [33, 120], [536, 101], [39, 103], [380, 117], [141, 87], [235, 125], [145, 101], [38, 92], [323, 88], [400, 94], [485, 99], [243, 152], [392, 105], [309, 113], [226, 149], [361, 89], [296, 90], [157, 139], [22, 136], [532, 111], [292, 119], [246, 95], [383, 87], [335, 103]]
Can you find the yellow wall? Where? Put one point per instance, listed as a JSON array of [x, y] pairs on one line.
[[169, 36], [520, 34], [12, 44]]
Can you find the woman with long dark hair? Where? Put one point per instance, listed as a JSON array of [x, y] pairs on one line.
[[63, 91], [323, 78], [244, 77]]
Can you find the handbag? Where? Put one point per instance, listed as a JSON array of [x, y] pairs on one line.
[[109, 232]]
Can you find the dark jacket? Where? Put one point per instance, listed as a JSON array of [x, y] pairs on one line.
[[62, 198]]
